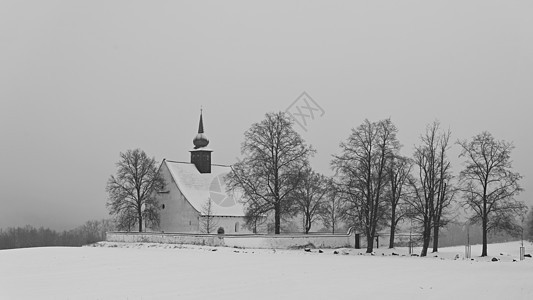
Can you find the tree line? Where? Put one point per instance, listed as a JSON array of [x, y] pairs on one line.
[[375, 186], [29, 236]]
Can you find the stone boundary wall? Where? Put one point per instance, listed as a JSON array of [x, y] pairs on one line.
[[258, 241], [165, 238], [290, 241]]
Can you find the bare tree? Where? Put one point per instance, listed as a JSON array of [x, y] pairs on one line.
[[208, 221], [274, 155], [332, 210], [309, 196], [444, 204], [362, 170], [430, 197], [398, 171], [132, 191], [489, 184]]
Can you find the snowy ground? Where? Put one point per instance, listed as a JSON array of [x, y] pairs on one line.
[[154, 271]]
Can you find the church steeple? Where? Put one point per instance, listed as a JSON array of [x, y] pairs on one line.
[[201, 125], [200, 140], [200, 155]]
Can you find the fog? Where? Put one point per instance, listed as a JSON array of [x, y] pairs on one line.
[[82, 81]]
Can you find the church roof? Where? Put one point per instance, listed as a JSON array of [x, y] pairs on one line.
[[199, 187]]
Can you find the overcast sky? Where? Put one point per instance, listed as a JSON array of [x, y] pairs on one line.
[[82, 81]]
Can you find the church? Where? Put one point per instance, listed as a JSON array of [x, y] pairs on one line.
[[194, 199]]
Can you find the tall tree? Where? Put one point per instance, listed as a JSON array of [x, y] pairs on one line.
[[399, 173], [430, 198], [309, 197], [274, 155], [489, 184], [332, 210], [132, 190], [445, 200], [361, 168]]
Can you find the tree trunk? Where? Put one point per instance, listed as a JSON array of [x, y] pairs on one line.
[[139, 210], [426, 238], [484, 221], [392, 232], [140, 221], [392, 228], [436, 237], [308, 224], [369, 243], [425, 246], [484, 250], [277, 218]]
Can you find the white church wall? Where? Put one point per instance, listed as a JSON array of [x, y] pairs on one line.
[[231, 225], [177, 214]]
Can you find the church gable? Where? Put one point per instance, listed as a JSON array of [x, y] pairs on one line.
[[198, 188], [176, 213]]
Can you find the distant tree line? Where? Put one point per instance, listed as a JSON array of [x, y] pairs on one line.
[[29, 236]]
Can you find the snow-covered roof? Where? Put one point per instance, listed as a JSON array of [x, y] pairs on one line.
[[199, 187]]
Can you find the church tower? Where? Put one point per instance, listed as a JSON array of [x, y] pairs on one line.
[[200, 155]]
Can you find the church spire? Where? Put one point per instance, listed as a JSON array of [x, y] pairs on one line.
[[200, 155], [201, 125], [201, 140]]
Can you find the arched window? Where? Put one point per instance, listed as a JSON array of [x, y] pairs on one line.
[[237, 227], [220, 230]]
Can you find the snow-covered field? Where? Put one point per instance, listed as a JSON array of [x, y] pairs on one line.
[[154, 271]]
